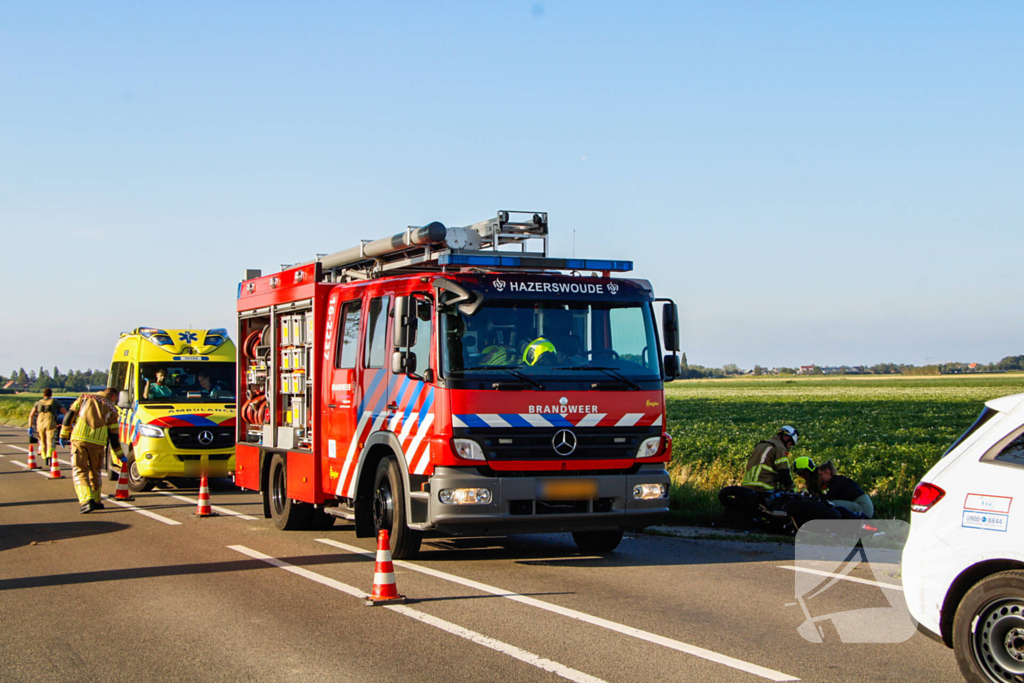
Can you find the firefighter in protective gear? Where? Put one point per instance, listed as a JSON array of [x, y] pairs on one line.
[[91, 423], [45, 412], [540, 348], [768, 465]]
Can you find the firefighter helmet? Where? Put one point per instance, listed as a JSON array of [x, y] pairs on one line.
[[536, 349], [790, 432]]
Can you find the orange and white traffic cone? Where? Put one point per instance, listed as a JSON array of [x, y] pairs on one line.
[[384, 589], [55, 467], [203, 509], [32, 459], [122, 484]]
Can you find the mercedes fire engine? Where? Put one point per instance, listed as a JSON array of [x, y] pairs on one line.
[[459, 381]]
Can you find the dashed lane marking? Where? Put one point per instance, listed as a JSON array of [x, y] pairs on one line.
[[141, 511], [511, 650], [866, 582], [677, 645], [44, 472], [217, 508]]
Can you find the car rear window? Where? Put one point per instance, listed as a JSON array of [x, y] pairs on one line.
[[986, 415], [1009, 451]]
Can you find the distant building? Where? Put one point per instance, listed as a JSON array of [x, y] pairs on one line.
[[95, 387], [972, 366], [807, 369]]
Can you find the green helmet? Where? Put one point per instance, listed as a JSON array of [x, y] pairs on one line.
[[804, 465], [494, 355], [536, 349]]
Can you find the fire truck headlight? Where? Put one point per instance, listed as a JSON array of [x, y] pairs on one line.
[[467, 449], [151, 431], [649, 447], [465, 496], [650, 491]]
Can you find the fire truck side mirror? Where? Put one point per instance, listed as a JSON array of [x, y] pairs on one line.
[[405, 322], [670, 326], [398, 362], [673, 370]]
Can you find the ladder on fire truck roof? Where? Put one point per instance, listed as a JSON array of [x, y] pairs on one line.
[[434, 247]]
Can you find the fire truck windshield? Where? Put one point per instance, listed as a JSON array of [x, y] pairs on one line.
[[553, 340], [194, 382]]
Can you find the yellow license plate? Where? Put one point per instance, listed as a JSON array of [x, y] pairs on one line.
[[568, 489]]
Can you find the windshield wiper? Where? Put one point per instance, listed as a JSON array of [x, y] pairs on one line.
[[611, 372], [512, 371]]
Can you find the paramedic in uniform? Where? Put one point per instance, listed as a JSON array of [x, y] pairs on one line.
[[91, 423], [45, 412]]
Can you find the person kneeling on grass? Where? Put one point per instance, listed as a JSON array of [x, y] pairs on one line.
[[833, 496]]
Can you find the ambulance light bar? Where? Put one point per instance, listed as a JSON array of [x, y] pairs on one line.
[[512, 261], [156, 336]]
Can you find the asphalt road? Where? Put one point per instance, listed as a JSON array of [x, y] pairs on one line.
[[117, 595]]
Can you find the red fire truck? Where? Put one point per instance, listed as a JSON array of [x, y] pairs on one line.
[[456, 380]]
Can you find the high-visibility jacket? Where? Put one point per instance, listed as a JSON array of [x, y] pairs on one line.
[[766, 462], [91, 419]]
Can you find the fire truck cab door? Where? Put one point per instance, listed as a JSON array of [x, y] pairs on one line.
[[342, 392]]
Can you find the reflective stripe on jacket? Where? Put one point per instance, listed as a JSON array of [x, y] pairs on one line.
[[764, 464], [94, 417]]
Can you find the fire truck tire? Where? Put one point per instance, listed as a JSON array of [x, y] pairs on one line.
[[389, 510], [598, 542], [288, 515], [136, 482]]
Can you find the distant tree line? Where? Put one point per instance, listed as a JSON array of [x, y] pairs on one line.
[[72, 380], [1007, 364]]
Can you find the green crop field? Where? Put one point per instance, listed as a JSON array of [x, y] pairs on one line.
[[883, 432]]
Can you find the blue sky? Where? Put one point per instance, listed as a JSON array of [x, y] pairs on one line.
[[827, 182]]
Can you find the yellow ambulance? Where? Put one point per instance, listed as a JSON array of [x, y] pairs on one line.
[[176, 404]]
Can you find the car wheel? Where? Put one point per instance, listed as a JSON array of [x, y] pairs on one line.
[[597, 542], [988, 630], [288, 515], [389, 511], [136, 482]]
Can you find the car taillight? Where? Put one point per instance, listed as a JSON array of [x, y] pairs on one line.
[[925, 496]]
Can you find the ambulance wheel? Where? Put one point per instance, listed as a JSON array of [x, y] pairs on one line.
[[988, 630], [288, 515], [136, 482], [597, 542], [389, 511]]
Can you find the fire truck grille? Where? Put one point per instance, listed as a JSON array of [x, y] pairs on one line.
[[202, 438], [592, 443]]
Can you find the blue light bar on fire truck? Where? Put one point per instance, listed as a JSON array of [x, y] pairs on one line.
[[512, 261]]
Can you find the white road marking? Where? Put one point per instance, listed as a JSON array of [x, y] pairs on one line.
[[146, 513], [44, 472], [447, 626], [584, 617], [195, 501], [866, 582]]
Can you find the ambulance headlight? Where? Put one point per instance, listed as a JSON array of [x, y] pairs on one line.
[[649, 447], [465, 496], [467, 449], [151, 431], [650, 491]]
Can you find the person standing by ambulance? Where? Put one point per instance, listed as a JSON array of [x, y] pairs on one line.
[[91, 424], [45, 412]]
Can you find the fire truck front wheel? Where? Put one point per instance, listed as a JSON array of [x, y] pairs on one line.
[[288, 515], [389, 510], [597, 542]]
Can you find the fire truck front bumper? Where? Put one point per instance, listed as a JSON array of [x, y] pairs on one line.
[[464, 501]]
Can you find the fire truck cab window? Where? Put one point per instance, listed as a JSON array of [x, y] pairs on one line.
[[348, 335], [424, 334], [376, 332], [571, 340]]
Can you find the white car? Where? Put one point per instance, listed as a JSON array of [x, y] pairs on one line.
[[963, 564]]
